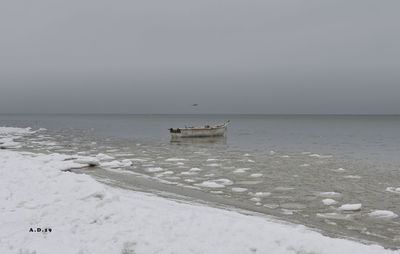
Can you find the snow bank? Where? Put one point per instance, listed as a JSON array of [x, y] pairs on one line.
[[8, 134], [88, 217]]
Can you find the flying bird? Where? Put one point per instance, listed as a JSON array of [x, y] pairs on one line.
[[194, 105]]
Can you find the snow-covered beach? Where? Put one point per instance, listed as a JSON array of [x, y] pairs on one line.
[[89, 217]]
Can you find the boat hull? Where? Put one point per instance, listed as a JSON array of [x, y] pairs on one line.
[[199, 133]]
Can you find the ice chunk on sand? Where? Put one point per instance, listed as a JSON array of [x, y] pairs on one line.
[[237, 189], [383, 214], [329, 201], [271, 152], [350, 207], [210, 184]]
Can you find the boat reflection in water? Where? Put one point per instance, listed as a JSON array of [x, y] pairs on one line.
[[200, 140]]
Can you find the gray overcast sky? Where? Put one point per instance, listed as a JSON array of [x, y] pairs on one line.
[[229, 56]]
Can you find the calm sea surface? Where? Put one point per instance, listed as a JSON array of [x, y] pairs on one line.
[[297, 168]]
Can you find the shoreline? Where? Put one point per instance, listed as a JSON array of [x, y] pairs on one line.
[[90, 217]]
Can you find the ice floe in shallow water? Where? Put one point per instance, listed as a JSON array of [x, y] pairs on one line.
[[281, 188], [352, 177], [249, 182], [102, 156], [256, 175], [117, 164], [336, 216], [350, 207], [272, 152], [90, 161], [329, 194], [393, 189], [156, 169], [271, 206], [165, 173], [383, 214], [224, 181], [213, 165], [329, 201], [210, 184], [256, 199], [293, 205], [211, 159], [195, 169], [315, 155], [241, 170], [175, 159], [305, 165], [260, 194], [138, 160], [188, 173], [238, 189], [287, 211]]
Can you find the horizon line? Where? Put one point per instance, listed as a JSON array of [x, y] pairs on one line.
[[266, 114]]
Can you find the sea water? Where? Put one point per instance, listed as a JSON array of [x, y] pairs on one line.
[[337, 174]]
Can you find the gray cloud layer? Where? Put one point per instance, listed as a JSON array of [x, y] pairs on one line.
[[229, 56]]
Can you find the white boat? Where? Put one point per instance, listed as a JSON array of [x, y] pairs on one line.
[[198, 132]]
